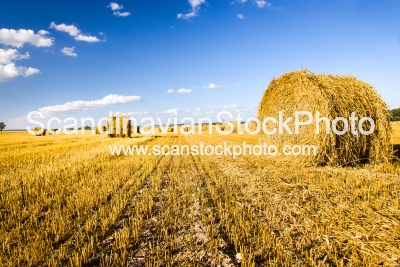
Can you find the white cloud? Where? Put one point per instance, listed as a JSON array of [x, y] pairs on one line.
[[86, 38], [212, 86], [232, 106], [184, 91], [28, 71], [9, 55], [70, 29], [85, 105], [170, 91], [241, 1], [195, 4], [8, 70], [75, 32], [20, 37], [121, 14], [262, 3], [240, 16], [115, 6], [69, 51], [43, 32], [197, 109]]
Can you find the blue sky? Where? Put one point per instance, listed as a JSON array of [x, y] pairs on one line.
[[100, 54]]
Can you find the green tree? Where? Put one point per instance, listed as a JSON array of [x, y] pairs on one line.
[[395, 114], [2, 127]]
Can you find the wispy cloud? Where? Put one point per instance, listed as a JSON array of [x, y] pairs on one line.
[[18, 121], [259, 3], [115, 7], [137, 113], [195, 4], [262, 3], [169, 111], [69, 51], [43, 32], [214, 107], [81, 105], [173, 111], [72, 30], [184, 91], [240, 16], [18, 38], [180, 91], [121, 14], [232, 106], [87, 38], [212, 86], [8, 70]]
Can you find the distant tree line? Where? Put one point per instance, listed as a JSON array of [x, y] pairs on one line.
[[395, 114]]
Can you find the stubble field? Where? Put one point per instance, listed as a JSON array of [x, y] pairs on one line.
[[66, 201]]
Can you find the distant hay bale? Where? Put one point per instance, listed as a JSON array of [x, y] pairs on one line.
[[221, 127], [102, 128], [235, 126], [170, 129], [186, 129], [40, 132], [205, 128], [113, 133], [333, 96], [136, 129], [52, 131]]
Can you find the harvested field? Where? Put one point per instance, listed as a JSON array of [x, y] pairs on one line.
[[66, 201]]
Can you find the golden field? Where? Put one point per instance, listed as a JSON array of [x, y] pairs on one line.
[[396, 132], [66, 201]]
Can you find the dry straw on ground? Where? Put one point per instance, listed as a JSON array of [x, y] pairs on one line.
[[333, 96]]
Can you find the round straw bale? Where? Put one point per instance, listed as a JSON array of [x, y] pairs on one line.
[[332, 96], [40, 132]]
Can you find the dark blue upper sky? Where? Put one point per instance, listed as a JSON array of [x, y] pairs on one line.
[[236, 47]]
